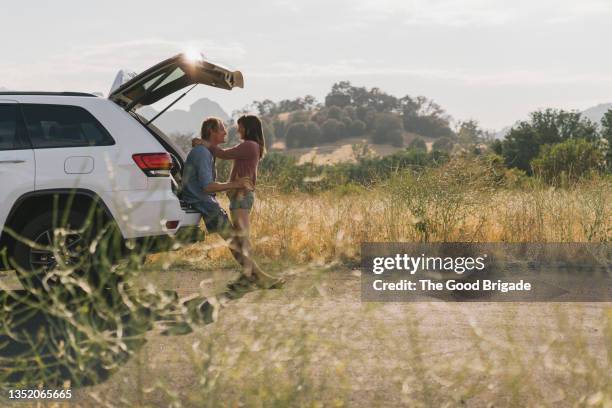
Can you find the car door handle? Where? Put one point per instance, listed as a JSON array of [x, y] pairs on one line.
[[11, 161]]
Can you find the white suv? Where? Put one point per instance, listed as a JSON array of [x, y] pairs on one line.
[[71, 151]]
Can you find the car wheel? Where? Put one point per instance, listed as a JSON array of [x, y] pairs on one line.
[[46, 246]]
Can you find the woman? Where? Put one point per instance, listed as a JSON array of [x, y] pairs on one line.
[[246, 156]]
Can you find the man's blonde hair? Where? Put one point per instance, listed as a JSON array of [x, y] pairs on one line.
[[210, 124]]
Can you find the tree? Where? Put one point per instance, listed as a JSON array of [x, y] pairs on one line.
[[335, 112], [265, 107], [606, 134], [357, 128], [348, 122], [232, 135], [418, 144], [443, 144], [320, 116], [280, 128], [424, 117], [182, 140], [299, 116], [344, 94], [522, 144], [469, 133], [337, 100], [296, 134], [350, 112], [369, 118], [268, 107], [396, 138], [388, 129], [496, 147], [303, 134], [568, 161], [313, 133], [332, 130], [268, 131]]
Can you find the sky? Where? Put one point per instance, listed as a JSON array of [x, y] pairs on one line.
[[489, 60]]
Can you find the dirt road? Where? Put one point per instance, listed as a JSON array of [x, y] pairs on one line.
[[314, 342]]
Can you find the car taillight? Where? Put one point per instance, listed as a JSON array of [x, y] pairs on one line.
[[154, 164], [172, 225]]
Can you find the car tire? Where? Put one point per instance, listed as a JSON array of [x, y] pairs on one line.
[[33, 263]]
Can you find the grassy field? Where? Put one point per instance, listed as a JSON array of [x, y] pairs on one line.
[[445, 204], [314, 343]]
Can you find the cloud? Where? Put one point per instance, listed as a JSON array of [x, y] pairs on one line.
[[357, 67], [87, 67], [137, 52], [461, 13]]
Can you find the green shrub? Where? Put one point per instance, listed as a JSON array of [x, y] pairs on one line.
[[443, 144], [303, 134], [332, 129], [357, 128], [296, 134], [567, 162], [548, 127], [280, 129], [418, 144], [281, 171]]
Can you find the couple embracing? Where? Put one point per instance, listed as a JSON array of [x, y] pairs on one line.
[[200, 188]]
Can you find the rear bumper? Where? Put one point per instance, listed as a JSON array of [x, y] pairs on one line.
[[144, 213], [162, 243]]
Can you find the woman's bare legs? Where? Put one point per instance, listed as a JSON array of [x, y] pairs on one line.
[[240, 219]]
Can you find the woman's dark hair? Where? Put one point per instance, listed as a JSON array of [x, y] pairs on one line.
[[254, 131]]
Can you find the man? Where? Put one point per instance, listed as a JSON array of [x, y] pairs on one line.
[[199, 190]]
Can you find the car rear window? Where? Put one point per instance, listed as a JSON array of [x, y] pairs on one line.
[[12, 132], [51, 126]]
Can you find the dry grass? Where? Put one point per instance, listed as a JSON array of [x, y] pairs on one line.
[[331, 226], [314, 343]]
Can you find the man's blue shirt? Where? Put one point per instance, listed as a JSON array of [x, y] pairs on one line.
[[199, 171]]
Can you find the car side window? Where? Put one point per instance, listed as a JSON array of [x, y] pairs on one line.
[[12, 132], [51, 126]]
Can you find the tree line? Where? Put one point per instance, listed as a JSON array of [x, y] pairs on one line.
[[558, 146], [350, 111]]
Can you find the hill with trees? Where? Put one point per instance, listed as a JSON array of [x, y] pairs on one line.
[[349, 112]]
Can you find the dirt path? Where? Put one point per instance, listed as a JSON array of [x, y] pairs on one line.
[[315, 341]]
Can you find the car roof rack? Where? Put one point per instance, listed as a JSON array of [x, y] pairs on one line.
[[48, 93]]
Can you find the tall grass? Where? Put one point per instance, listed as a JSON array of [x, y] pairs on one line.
[[327, 349], [314, 343], [464, 201]]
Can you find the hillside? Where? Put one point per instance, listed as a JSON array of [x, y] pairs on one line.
[[344, 150], [186, 121], [596, 113], [347, 148]]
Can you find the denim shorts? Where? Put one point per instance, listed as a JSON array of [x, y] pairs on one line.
[[215, 217], [242, 201]]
